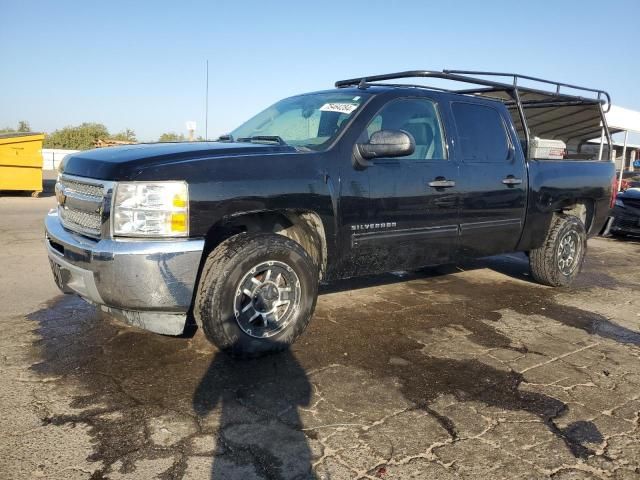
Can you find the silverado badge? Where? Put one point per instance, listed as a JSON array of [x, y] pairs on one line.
[[372, 226]]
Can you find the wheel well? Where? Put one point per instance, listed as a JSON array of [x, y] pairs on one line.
[[582, 209], [304, 227]]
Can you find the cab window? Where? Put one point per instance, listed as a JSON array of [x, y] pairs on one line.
[[416, 116], [481, 133]]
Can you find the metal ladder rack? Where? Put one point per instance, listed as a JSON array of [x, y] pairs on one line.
[[465, 76], [511, 92]]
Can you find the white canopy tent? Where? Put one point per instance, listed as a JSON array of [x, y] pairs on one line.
[[619, 120], [622, 119]]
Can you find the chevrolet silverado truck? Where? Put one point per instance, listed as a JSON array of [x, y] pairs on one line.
[[369, 177]]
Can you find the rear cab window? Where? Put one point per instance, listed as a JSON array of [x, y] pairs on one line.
[[482, 133]]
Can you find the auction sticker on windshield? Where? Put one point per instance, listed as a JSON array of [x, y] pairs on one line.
[[339, 107]]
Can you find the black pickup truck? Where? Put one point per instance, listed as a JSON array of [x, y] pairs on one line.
[[368, 177]]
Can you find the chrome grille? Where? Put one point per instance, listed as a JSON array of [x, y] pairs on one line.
[[88, 189], [80, 205], [81, 219]]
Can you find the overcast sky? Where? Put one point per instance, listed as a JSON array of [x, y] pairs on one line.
[[141, 65]]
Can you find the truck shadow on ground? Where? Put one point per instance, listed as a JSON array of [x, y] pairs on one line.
[[147, 396], [246, 415], [257, 403]]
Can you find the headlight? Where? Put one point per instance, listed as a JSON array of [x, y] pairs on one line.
[[154, 209], [619, 202]]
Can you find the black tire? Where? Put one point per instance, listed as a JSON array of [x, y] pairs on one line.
[[219, 310], [550, 263]]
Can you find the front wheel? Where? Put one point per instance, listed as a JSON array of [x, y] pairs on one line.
[[560, 259], [257, 294]]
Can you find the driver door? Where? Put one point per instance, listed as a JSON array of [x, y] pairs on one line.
[[413, 200]]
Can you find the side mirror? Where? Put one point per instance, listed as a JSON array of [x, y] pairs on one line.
[[383, 144]]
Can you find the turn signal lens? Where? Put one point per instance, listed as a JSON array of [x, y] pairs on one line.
[[179, 222]]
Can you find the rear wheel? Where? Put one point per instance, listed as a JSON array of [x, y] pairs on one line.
[[257, 294], [560, 259]]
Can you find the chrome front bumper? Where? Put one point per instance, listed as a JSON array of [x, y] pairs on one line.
[[148, 284]]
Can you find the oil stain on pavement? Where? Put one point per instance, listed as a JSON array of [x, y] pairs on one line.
[[429, 377]]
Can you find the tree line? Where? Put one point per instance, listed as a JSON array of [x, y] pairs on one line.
[[85, 135], [23, 127]]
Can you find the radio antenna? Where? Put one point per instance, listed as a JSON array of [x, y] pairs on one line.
[[206, 104]]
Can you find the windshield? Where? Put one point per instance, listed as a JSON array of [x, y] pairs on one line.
[[310, 121]]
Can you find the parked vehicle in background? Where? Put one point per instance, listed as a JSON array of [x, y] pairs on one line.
[[626, 213], [366, 178], [629, 180]]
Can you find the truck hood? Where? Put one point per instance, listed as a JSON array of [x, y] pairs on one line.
[[124, 163]]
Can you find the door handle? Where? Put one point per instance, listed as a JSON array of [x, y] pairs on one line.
[[441, 182], [511, 180]]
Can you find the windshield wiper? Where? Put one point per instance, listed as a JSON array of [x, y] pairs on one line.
[[263, 138], [225, 138]]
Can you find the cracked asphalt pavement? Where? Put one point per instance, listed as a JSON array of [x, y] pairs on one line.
[[469, 372]]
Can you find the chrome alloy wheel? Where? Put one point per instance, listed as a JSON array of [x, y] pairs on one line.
[[266, 299], [569, 252]]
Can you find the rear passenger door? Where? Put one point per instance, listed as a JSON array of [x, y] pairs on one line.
[[492, 179]]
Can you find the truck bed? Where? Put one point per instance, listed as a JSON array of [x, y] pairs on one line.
[[556, 184]]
